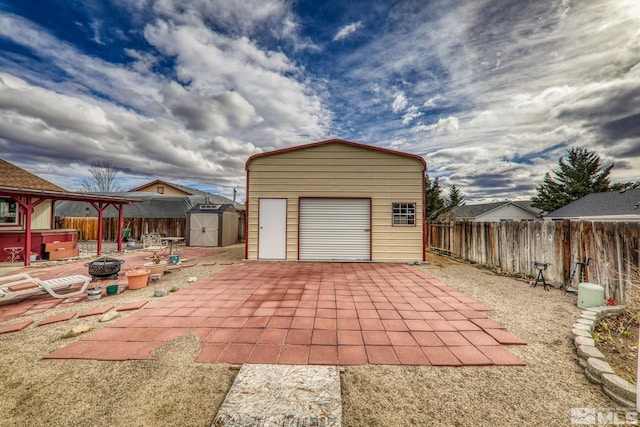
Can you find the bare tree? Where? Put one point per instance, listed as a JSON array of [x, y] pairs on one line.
[[103, 178]]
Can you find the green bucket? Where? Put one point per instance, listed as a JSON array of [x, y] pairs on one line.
[[112, 289]]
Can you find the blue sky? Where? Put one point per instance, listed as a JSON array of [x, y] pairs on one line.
[[490, 92]]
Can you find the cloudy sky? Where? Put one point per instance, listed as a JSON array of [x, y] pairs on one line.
[[490, 92]]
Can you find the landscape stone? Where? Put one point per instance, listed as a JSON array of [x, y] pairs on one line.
[[160, 293], [618, 399], [598, 367], [78, 330], [584, 341], [619, 386], [586, 351], [192, 279], [580, 333], [109, 316], [581, 326]]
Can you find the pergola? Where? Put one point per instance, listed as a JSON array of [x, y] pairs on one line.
[[28, 199]]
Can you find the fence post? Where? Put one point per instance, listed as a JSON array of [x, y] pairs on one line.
[[566, 251]]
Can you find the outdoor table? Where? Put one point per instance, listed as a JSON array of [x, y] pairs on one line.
[[171, 240], [13, 253]]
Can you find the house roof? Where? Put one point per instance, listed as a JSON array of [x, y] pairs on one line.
[[336, 141], [15, 177], [212, 208], [17, 182], [607, 204], [152, 205], [474, 211], [183, 188], [213, 198]]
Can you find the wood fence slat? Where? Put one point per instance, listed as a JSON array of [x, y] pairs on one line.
[[511, 247]]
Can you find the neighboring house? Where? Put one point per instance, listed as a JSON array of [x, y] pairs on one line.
[[618, 206], [170, 189], [335, 200], [519, 210], [160, 211], [27, 212]]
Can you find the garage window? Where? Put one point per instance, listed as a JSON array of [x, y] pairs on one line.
[[404, 213]]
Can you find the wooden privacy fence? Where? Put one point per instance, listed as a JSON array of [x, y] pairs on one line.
[[88, 227], [511, 247]]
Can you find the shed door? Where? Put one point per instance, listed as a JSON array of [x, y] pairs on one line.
[[203, 230], [335, 229], [272, 233]]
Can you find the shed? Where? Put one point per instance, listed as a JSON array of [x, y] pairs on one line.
[[335, 200], [212, 225]]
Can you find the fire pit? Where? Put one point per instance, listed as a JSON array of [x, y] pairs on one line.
[[104, 268]]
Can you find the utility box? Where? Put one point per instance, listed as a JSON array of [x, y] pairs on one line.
[[590, 295], [212, 225]]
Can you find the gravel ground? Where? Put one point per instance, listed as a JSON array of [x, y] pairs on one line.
[[175, 391], [540, 394]]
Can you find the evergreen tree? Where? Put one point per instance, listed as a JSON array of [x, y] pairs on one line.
[[434, 202], [455, 198], [580, 174]]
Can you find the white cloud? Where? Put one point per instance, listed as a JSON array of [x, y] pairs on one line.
[[347, 30], [432, 102], [411, 114], [399, 102], [442, 126]]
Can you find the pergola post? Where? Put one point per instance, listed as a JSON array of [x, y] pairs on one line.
[[26, 208], [120, 209], [100, 207]]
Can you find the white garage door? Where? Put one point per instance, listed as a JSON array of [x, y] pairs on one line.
[[335, 229]]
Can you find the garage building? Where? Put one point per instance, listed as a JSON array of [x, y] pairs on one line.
[[335, 200]]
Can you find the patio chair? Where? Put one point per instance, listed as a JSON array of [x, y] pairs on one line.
[[23, 285], [153, 243]]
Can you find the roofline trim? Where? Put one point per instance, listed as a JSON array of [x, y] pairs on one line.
[[331, 141], [157, 181], [65, 195]]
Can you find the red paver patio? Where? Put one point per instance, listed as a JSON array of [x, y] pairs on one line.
[[40, 302], [315, 313]]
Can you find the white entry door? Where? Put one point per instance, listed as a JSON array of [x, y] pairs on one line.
[[272, 233]]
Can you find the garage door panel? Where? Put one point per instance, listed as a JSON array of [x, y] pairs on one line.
[[335, 229]]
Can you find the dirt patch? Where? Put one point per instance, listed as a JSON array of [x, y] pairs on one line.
[[617, 338], [169, 391], [541, 393], [175, 391]]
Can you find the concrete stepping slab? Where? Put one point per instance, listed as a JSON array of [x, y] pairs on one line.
[[283, 395], [14, 327], [135, 305], [96, 311], [58, 318]]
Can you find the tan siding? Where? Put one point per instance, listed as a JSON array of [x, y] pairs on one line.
[[168, 190], [339, 170], [40, 220]]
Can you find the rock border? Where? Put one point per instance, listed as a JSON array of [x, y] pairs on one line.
[[596, 368]]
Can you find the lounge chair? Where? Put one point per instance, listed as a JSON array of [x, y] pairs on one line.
[[23, 285]]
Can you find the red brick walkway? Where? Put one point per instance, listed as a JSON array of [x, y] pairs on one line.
[[312, 313]]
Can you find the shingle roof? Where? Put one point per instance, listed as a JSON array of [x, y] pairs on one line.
[[610, 203], [14, 177], [474, 211]]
